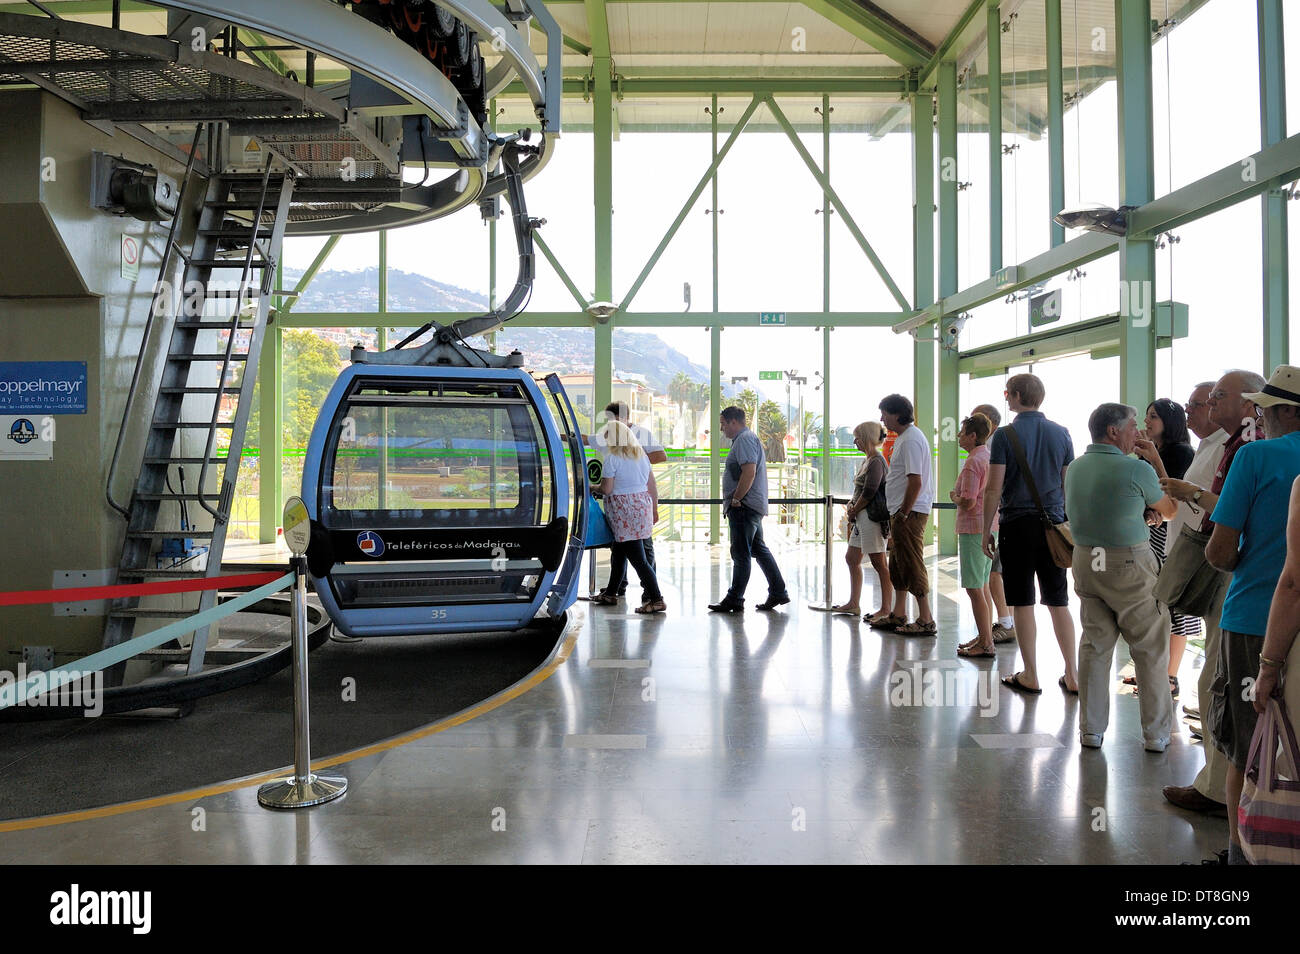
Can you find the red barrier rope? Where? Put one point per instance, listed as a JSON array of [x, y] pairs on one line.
[[78, 594]]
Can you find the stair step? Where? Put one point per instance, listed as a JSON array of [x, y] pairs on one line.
[[178, 534], [172, 425], [156, 461], [218, 325], [206, 357], [150, 614], [227, 263], [226, 390], [169, 572], [235, 233], [177, 497]]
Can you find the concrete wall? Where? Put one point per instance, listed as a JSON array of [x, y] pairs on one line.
[[62, 297]]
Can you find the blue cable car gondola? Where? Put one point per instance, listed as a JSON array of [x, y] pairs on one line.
[[448, 491], [444, 499]]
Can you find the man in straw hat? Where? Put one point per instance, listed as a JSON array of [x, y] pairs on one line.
[[1247, 541]]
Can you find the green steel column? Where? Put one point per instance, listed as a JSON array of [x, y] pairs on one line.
[[381, 477], [993, 27], [603, 156], [713, 114], [1055, 121], [826, 301], [715, 356], [923, 270], [946, 438], [1137, 262], [270, 439], [715, 438], [1272, 113]]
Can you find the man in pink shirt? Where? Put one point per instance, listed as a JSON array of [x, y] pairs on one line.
[[968, 495]]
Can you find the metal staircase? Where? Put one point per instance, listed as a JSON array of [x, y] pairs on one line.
[[215, 325]]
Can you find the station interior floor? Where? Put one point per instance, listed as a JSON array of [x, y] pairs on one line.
[[785, 737]]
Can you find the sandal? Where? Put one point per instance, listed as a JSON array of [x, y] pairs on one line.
[[975, 652], [655, 606], [917, 629], [848, 609], [604, 598], [1013, 682], [890, 622], [1061, 682]]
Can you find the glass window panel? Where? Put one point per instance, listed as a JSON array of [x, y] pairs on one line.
[[973, 172], [1205, 92], [1025, 215], [1091, 131], [654, 173], [873, 178]]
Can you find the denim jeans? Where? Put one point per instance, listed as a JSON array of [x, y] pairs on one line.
[[746, 528]]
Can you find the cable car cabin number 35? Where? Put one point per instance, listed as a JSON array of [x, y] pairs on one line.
[[445, 499]]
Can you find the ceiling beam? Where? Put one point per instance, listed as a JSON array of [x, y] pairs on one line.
[[949, 49], [740, 86], [872, 25]]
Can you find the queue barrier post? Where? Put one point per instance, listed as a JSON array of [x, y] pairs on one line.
[[303, 789]]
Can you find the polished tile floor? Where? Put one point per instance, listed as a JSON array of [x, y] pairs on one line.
[[785, 737]]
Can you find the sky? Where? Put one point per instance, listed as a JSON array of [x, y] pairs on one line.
[[770, 234]]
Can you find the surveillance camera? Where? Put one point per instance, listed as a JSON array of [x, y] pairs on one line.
[[1095, 218]]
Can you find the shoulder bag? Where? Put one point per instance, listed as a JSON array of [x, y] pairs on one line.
[[1187, 583], [1060, 542], [1268, 816]]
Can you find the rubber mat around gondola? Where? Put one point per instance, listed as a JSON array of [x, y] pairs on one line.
[[361, 692]]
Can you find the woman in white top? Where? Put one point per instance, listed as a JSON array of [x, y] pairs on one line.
[[632, 508]]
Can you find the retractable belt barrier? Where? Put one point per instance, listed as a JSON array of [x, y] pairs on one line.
[[12, 694], [829, 501]]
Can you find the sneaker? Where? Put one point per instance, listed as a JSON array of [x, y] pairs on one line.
[[1156, 745], [1002, 634], [1090, 741]]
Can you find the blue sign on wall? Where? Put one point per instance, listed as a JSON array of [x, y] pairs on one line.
[[42, 387]]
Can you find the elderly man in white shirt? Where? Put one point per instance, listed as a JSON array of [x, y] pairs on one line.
[[1206, 793]]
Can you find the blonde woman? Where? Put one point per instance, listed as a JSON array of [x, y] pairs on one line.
[[632, 508], [866, 535]]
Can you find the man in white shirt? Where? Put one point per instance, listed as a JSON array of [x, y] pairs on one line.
[[1206, 794], [619, 411], [909, 494]]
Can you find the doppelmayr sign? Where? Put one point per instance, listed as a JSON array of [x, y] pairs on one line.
[[42, 387]]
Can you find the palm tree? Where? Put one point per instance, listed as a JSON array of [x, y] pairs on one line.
[[697, 400], [679, 390]]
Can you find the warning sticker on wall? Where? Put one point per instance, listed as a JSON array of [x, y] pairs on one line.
[[26, 438], [130, 257]]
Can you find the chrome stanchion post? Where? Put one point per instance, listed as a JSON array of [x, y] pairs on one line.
[[303, 789], [830, 514], [825, 606]]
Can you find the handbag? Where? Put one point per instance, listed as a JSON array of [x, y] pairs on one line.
[[1060, 542], [1187, 583], [1268, 817]]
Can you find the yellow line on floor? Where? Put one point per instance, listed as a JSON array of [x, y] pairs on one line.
[[536, 678]]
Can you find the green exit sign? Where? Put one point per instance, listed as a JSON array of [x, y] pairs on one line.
[[771, 375], [771, 317]]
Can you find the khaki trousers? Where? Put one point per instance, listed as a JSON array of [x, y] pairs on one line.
[[1212, 778], [1115, 587]]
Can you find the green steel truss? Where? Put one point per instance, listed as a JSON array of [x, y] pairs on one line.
[[921, 93]]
